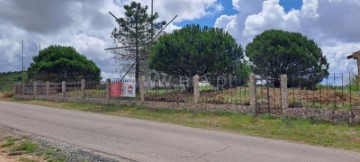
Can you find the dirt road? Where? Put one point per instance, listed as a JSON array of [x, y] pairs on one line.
[[140, 140]]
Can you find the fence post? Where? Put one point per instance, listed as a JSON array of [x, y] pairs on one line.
[[284, 93], [23, 88], [82, 95], [196, 88], [14, 89], [47, 88], [142, 89], [63, 88], [252, 89], [108, 82], [34, 88]]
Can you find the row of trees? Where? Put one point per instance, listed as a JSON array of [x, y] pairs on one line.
[[212, 51], [189, 51]]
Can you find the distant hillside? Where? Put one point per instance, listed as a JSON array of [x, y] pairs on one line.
[[7, 79]]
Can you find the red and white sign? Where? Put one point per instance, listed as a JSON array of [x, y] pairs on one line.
[[115, 89], [125, 89]]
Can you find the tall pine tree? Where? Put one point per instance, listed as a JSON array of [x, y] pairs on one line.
[[134, 35]]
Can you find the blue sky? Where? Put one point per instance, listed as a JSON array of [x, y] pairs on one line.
[[228, 9]]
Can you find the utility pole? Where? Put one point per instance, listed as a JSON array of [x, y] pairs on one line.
[[22, 55]]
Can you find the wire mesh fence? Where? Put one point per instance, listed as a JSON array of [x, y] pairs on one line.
[[55, 88], [224, 90], [73, 89], [28, 88], [169, 89], [95, 89], [41, 88], [334, 91]]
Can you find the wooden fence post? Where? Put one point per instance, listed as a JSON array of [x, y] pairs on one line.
[[284, 93], [196, 89], [252, 89], [63, 88]]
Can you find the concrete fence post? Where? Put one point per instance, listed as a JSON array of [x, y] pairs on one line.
[[63, 88], [142, 89], [14, 89], [284, 93], [47, 88], [108, 83], [23, 88], [34, 88], [82, 95], [252, 89], [196, 88]]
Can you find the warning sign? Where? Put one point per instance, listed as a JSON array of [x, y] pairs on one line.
[[115, 89]]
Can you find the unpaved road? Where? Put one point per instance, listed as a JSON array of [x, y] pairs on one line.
[[139, 140]]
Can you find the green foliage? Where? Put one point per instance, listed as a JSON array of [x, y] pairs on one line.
[[276, 52], [58, 63], [197, 50], [135, 32], [8, 79], [9, 142], [353, 84], [26, 146]]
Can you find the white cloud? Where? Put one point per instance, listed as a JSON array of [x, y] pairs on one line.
[[272, 16], [333, 24], [85, 25]]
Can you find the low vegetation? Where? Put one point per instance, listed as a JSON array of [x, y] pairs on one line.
[[8, 79], [22, 149], [303, 131]]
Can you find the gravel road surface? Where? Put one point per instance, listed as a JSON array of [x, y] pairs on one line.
[[140, 140]]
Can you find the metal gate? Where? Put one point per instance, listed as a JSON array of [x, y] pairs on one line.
[[268, 96]]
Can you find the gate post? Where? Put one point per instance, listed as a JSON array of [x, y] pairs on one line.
[[252, 89], [284, 93]]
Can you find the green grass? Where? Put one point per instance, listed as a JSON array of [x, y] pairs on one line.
[[26, 146], [303, 131], [10, 141]]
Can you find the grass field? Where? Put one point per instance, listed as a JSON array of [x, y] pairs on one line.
[[302, 131]]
